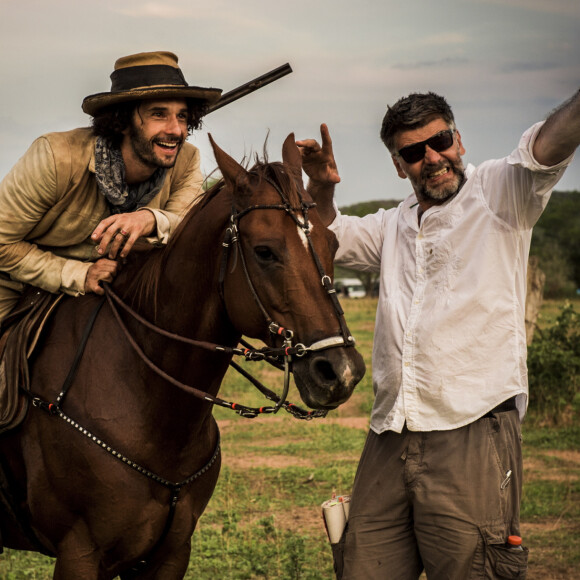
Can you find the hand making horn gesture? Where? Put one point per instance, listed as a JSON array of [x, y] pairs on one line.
[[318, 161], [319, 164]]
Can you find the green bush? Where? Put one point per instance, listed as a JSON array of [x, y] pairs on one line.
[[554, 369]]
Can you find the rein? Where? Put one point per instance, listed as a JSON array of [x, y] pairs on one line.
[[268, 354]]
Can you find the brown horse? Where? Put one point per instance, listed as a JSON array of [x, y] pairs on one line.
[[113, 477]]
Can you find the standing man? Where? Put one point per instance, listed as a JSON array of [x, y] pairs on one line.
[[439, 482], [78, 200]]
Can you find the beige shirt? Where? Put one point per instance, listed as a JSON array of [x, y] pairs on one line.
[[50, 205], [450, 341]]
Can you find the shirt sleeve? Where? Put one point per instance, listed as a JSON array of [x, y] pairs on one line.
[[523, 156], [186, 189], [26, 194], [517, 188], [360, 239]]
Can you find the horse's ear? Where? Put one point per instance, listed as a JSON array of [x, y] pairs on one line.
[[232, 171], [291, 156]]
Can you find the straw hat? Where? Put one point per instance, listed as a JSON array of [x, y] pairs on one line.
[[148, 75]]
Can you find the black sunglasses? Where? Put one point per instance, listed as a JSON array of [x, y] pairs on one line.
[[439, 142]]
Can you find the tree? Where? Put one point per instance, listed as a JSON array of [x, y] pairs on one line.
[[556, 243]]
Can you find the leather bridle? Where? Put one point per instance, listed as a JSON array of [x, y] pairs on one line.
[[232, 239], [281, 357]]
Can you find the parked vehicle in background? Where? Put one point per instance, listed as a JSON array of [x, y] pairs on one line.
[[350, 288]]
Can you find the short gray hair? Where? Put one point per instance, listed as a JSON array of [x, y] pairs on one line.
[[413, 112]]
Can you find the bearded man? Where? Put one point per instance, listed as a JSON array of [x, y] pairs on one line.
[[439, 482], [77, 201]]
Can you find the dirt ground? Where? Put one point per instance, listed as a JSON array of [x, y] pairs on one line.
[[304, 519]]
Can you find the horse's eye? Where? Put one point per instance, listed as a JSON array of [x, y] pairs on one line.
[[264, 253]]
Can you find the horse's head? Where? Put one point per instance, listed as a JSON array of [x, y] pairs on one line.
[[279, 270]]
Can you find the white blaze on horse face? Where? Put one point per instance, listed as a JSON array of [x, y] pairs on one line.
[[302, 235]]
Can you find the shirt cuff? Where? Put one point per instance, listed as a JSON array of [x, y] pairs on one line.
[[163, 227], [524, 156], [74, 276]]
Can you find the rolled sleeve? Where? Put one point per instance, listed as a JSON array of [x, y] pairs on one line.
[[165, 224], [523, 155]]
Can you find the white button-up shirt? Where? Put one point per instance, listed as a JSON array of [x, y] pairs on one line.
[[450, 341]]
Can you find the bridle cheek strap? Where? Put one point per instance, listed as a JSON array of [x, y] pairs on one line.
[[232, 239]]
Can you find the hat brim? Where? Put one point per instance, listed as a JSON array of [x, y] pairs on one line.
[[94, 103]]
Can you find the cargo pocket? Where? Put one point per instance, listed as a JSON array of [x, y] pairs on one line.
[[506, 563], [338, 556]]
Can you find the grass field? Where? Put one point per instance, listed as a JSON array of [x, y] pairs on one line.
[[264, 519]]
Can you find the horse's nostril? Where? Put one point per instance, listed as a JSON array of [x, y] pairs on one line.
[[324, 369]]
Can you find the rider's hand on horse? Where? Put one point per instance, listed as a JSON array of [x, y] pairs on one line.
[[319, 164], [118, 233], [102, 270]]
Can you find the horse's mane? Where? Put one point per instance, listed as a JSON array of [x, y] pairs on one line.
[[144, 286]]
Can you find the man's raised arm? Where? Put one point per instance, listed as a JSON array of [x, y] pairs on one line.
[[560, 135]]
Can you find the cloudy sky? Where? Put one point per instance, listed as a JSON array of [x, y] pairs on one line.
[[501, 64]]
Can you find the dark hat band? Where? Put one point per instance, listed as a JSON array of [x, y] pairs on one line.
[[136, 77]]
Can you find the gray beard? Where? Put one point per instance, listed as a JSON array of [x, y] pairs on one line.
[[441, 195]]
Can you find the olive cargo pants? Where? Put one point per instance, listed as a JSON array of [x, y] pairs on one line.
[[441, 501]]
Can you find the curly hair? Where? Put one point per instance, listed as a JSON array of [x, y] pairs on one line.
[[110, 122], [413, 112]]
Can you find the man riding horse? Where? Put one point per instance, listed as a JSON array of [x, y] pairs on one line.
[[78, 201]]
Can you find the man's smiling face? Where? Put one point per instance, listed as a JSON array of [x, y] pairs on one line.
[[437, 176], [158, 131]]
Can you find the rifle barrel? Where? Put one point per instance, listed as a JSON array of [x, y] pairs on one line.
[[250, 87]]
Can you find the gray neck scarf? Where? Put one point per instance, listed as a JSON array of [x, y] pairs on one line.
[[110, 174]]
